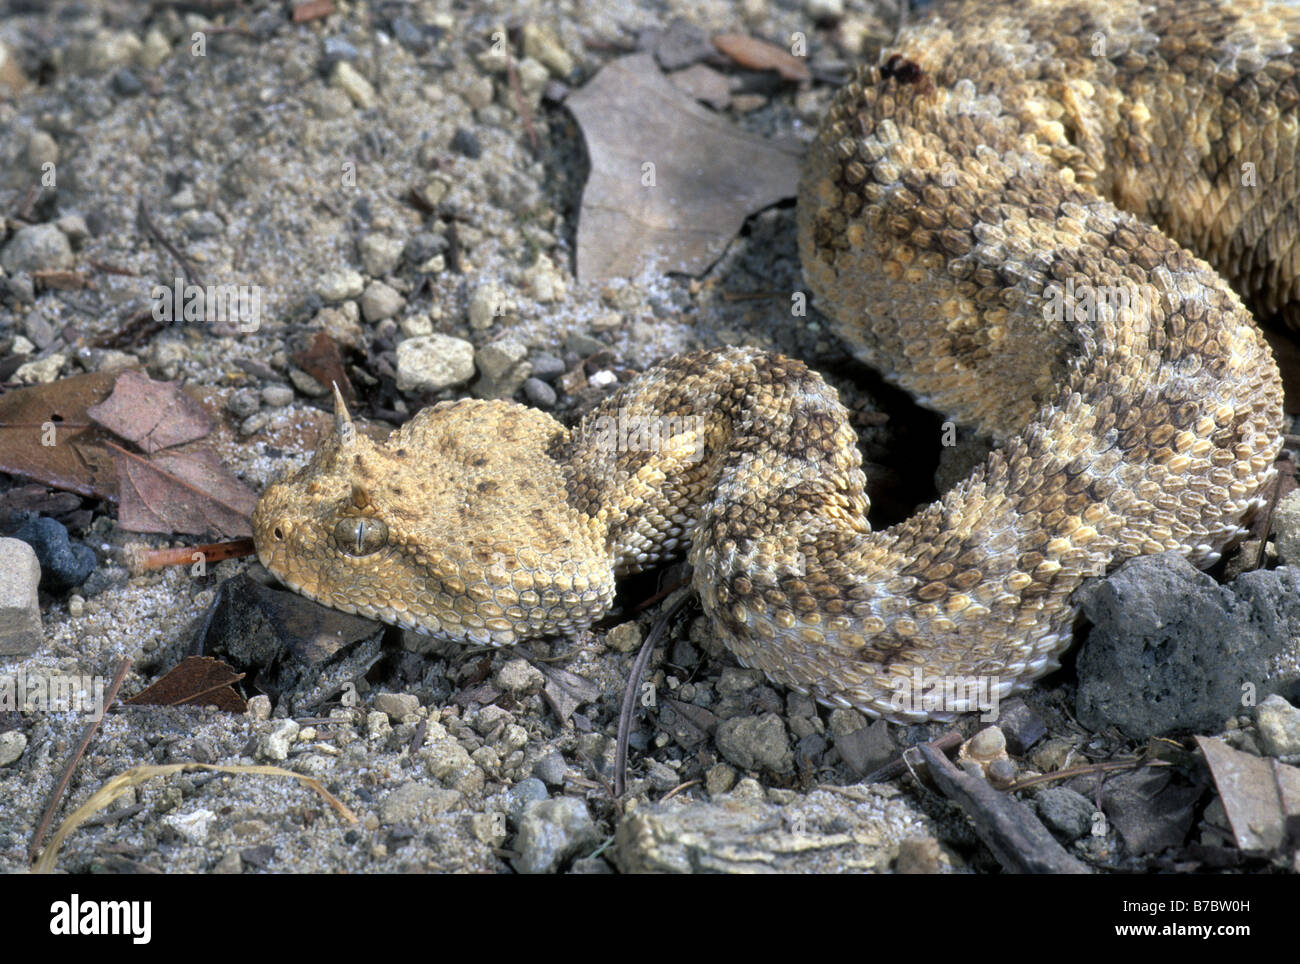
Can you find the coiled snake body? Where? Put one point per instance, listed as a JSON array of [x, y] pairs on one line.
[[1001, 219]]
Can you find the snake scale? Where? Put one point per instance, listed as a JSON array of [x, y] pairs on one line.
[[1048, 219]]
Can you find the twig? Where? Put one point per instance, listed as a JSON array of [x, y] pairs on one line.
[[627, 714], [191, 276], [1080, 771], [42, 828], [141, 559], [949, 741]]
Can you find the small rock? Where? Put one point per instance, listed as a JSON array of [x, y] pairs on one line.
[[1021, 725], [414, 326], [380, 301], [624, 638], [583, 345], [518, 797], [231, 863], [74, 228], [1286, 528], [1279, 727], [42, 149], [346, 79], [446, 758], [551, 769], [259, 707], [430, 363], [380, 254], [377, 725], [551, 832], [518, 677], [414, 803], [125, 83], [243, 403], [277, 396], [194, 827], [466, 142], [306, 384], [397, 705], [65, 564], [423, 246], [867, 748], [756, 742], [1067, 814], [544, 280], [720, 779], [341, 285], [539, 393], [12, 744], [503, 368], [486, 304], [542, 44], [342, 322], [37, 247], [274, 744], [42, 371], [548, 367]]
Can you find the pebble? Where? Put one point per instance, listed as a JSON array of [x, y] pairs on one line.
[[423, 246], [377, 725], [259, 707], [1064, 812], [244, 403], [486, 304], [42, 371], [380, 301], [342, 322], [756, 743], [551, 832], [12, 745], [518, 677], [548, 367], [38, 329], [824, 11], [518, 797], [358, 89], [720, 779], [74, 228], [542, 44], [157, 48], [277, 396], [275, 743], [306, 384], [429, 363], [397, 705], [539, 393], [380, 254], [64, 563], [415, 803], [551, 769], [919, 855], [584, 345], [1279, 727], [413, 326], [194, 827], [466, 143], [544, 280], [37, 247], [76, 606], [341, 285], [126, 83], [42, 149], [503, 368]]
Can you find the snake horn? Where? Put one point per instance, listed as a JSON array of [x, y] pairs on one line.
[[343, 427]]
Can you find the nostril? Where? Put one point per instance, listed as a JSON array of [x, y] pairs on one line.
[[278, 533]]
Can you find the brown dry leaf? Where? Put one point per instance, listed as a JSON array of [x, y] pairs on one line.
[[190, 492], [153, 415], [56, 412], [321, 360], [197, 681], [1260, 796], [754, 54], [566, 691], [671, 183]]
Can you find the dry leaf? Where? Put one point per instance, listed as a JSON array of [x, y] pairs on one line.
[[153, 415], [30, 418], [197, 681], [1260, 796], [754, 54], [671, 183], [190, 492], [321, 360]]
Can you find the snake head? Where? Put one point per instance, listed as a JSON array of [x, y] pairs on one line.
[[458, 526]]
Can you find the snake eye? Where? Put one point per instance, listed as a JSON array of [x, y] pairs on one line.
[[360, 537]]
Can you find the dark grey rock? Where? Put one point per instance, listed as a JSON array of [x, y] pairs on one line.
[[65, 564], [551, 769], [539, 393], [867, 748], [548, 367], [423, 246], [1171, 649], [1067, 814], [1021, 725], [466, 142], [126, 83]]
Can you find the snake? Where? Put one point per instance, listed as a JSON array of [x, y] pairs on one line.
[[1053, 221]]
